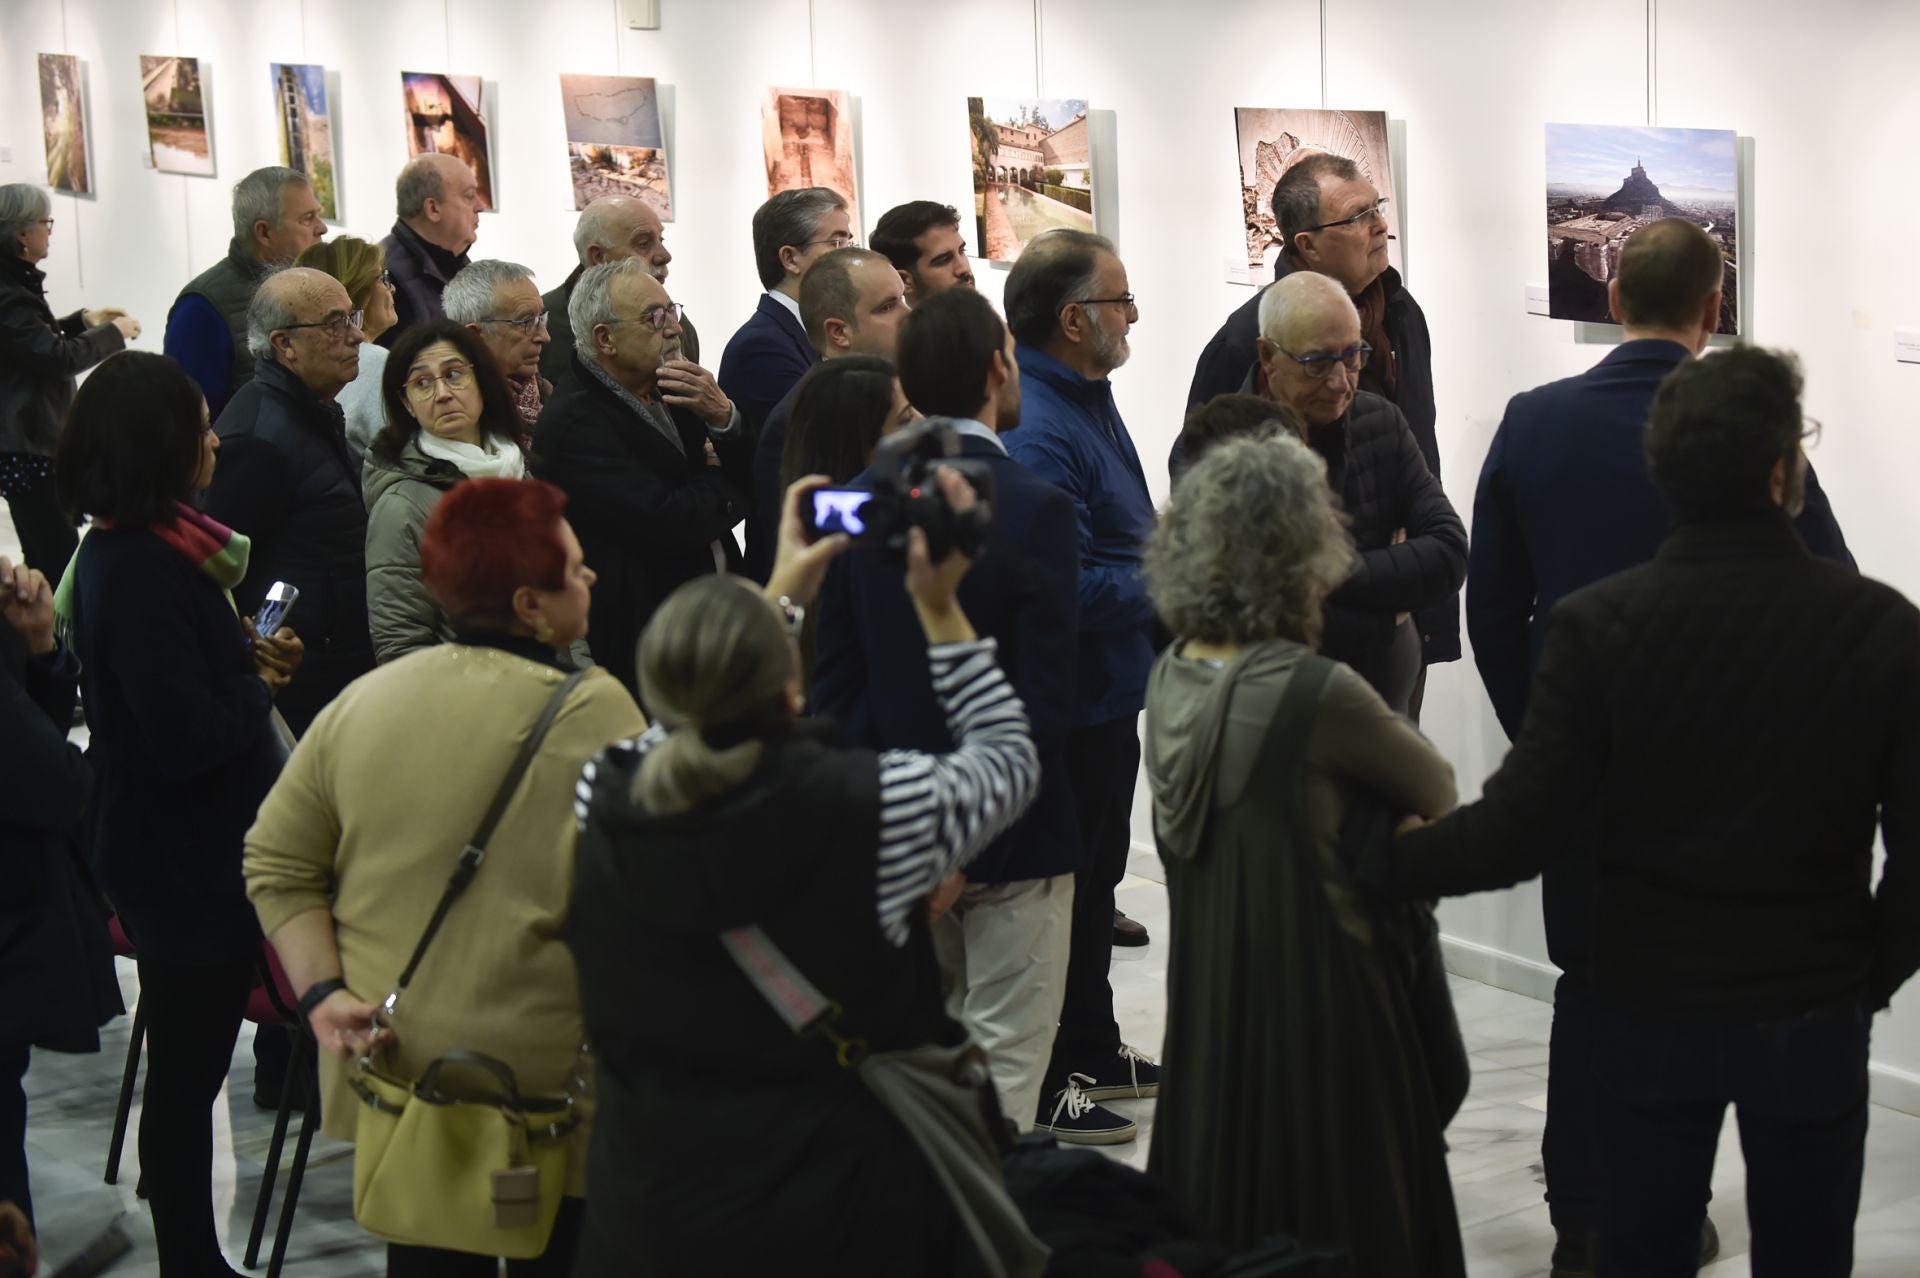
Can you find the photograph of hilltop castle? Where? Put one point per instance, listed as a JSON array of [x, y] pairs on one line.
[[1272, 140], [1604, 182]]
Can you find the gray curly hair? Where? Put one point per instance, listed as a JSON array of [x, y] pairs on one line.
[[1249, 546]]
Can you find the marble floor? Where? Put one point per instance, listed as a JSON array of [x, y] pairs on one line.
[[1495, 1142]]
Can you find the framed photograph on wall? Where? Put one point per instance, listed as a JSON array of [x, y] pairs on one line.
[[177, 116], [1274, 139], [1604, 182], [306, 129], [615, 142], [63, 123], [1032, 170], [806, 136], [448, 114]]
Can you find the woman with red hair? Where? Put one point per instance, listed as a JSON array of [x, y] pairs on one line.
[[356, 844]]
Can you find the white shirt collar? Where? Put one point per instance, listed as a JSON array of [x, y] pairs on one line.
[[978, 430], [785, 301]]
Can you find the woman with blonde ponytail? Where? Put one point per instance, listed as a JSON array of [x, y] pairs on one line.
[[725, 1143]]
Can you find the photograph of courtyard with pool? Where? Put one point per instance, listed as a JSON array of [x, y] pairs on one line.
[[1030, 170]]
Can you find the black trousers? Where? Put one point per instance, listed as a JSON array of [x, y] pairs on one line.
[[47, 536], [1569, 1147], [192, 1013], [1799, 1091], [14, 1187], [1103, 763], [556, 1262]]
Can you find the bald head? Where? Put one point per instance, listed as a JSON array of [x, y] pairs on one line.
[[1309, 346], [439, 198], [303, 320], [614, 227], [851, 302], [1670, 281], [1301, 305]]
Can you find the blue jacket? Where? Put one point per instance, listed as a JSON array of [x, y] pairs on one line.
[[870, 662], [1071, 435], [763, 361], [1564, 500]]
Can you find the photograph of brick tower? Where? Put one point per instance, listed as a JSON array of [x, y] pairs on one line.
[[63, 123], [807, 138], [1031, 170], [1604, 182], [1272, 140], [448, 114], [306, 129]]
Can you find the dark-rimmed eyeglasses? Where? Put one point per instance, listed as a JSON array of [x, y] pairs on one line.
[[527, 324], [1320, 367], [1810, 429], [45, 221], [386, 277], [837, 241], [654, 318], [421, 387], [1127, 300], [335, 325], [1376, 209]]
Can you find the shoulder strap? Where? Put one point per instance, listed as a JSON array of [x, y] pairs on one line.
[[794, 998], [476, 850]]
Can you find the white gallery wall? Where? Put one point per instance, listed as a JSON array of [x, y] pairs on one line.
[[1823, 96]]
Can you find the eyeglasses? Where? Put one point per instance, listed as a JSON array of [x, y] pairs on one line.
[[1125, 299], [1810, 434], [838, 241], [1320, 367], [45, 221], [421, 389], [1376, 209], [655, 318], [336, 325], [527, 324]]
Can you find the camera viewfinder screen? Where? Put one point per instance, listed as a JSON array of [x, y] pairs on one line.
[[840, 510]]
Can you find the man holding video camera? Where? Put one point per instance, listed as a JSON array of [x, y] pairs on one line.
[[1003, 944]]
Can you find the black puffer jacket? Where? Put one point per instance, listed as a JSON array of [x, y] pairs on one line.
[[1376, 469], [286, 480], [39, 356]]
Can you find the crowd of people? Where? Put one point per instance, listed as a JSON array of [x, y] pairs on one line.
[[766, 881]]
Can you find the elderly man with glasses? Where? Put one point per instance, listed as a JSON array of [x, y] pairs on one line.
[[500, 302], [653, 457], [1412, 546], [287, 481]]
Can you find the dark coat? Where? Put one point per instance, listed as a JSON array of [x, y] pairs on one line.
[[647, 513], [38, 357], [1227, 360], [766, 483], [1377, 471], [1720, 729], [556, 358], [764, 360], [182, 749], [56, 967], [834, 1179], [286, 479], [871, 674], [420, 272], [1565, 499]]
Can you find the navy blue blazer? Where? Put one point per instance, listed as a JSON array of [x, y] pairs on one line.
[[762, 362], [1564, 500], [870, 663], [766, 484]]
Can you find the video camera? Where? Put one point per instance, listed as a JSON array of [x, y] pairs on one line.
[[901, 495]]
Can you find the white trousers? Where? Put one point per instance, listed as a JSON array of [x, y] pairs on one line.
[[1003, 950]]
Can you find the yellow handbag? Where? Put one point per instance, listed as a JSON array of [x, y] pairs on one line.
[[458, 1159]]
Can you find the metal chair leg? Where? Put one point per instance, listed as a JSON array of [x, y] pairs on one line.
[[295, 1175], [293, 1085], [135, 1038]]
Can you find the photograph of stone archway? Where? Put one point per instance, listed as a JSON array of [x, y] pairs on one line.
[[1031, 170]]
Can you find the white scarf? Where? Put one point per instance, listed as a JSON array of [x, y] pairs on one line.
[[499, 459]]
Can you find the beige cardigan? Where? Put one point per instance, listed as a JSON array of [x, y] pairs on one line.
[[373, 810]]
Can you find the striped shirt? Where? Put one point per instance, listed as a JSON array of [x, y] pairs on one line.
[[937, 811]]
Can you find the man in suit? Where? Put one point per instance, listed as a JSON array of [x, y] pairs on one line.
[[438, 201], [922, 239], [1726, 725], [651, 454], [1004, 942], [851, 303], [1334, 223], [1412, 549], [1565, 500], [610, 228]]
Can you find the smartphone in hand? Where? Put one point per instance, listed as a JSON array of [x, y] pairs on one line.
[[273, 613]]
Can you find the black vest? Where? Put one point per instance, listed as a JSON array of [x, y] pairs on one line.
[[229, 284]]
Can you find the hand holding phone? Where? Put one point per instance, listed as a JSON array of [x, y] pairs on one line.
[[281, 597]]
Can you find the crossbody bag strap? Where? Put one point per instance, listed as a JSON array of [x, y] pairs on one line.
[[476, 850], [794, 998]]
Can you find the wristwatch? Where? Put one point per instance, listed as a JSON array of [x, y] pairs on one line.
[[318, 993]]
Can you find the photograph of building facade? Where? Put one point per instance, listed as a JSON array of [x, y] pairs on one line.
[[306, 129], [615, 142], [1272, 140], [1032, 170], [176, 115], [807, 137], [1605, 182], [447, 114], [63, 123]]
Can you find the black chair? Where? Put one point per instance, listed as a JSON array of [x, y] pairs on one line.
[[273, 1003]]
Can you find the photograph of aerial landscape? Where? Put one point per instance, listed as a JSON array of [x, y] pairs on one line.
[[1604, 182], [615, 144]]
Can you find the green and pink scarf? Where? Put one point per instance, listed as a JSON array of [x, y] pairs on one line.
[[208, 545]]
